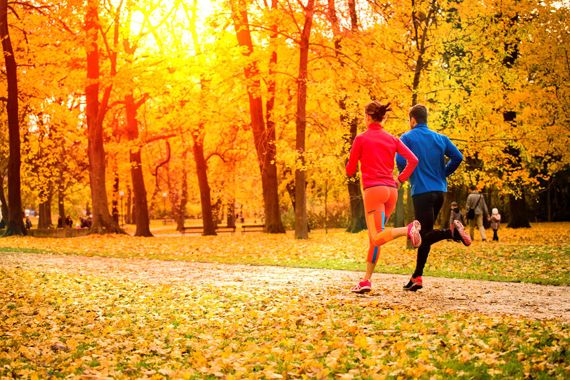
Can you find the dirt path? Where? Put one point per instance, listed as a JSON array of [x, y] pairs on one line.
[[443, 294]]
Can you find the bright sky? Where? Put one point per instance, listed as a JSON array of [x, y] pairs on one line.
[[204, 9]]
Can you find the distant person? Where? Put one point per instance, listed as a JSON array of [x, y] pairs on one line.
[[375, 149], [476, 203], [28, 223], [429, 185], [85, 222], [69, 221], [495, 223], [59, 222], [455, 214]]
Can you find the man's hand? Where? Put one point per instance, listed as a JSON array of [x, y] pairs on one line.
[[398, 183]]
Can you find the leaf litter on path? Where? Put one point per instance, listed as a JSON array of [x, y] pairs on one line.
[[443, 294]]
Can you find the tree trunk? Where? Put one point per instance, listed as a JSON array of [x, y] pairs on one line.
[[357, 214], [519, 212], [353, 15], [264, 139], [142, 220], [357, 220], [549, 201], [45, 219], [231, 203], [115, 212], [129, 207], [301, 227], [179, 197], [202, 173], [102, 220], [15, 211], [209, 222], [3, 203], [61, 204], [231, 217]]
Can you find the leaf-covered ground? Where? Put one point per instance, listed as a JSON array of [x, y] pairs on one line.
[[131, 318], [538, 255], [152, 321], [66, 310]]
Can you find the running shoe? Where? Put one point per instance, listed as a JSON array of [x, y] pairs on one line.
[[459, 234], [414, 284], [363, 286], [414, 233]]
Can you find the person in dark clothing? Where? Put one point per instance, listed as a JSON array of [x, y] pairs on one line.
[[455, 214], [28, 223], [429, 185]]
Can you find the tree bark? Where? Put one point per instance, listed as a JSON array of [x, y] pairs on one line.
[[102, 219], [44, 220], [15, 211], [179, 197], [129, 206], [264, 145], [271, 201], [142, 219], [519, 212], [353, 15], [301, 227], [3, 203], [61, 204], [202, 173], [115, 212], [45, 217], [357, 215]]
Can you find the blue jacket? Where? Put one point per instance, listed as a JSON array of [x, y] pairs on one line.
[[430, 148]]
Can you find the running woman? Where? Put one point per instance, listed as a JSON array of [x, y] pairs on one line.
[[376, 150]]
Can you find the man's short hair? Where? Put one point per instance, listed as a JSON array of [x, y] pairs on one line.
[[419, 112]]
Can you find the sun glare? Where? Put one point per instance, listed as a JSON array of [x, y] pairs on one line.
[[179, 15]]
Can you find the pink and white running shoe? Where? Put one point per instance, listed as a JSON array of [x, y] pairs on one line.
[[363, 286], [461, 235], [414, 233]]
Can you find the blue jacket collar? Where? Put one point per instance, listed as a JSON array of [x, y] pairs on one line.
[[420, 125]]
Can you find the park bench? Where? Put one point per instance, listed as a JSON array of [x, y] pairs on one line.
[[200, 229], [252, 228]]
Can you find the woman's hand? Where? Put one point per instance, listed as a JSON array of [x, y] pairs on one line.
[[398, 183]]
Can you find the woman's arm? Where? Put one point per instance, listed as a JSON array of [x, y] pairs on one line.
[[411, 161], [352, 164]]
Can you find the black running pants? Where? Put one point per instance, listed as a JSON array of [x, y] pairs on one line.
[[426, 208]]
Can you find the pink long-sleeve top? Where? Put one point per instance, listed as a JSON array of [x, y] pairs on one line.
[[375, 149]]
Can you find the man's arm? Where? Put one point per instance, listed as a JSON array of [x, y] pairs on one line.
[[455, 157], [469, 202], [485, 209]]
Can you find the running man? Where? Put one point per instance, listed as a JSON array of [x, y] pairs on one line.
[[429, 185], [376, 149]]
